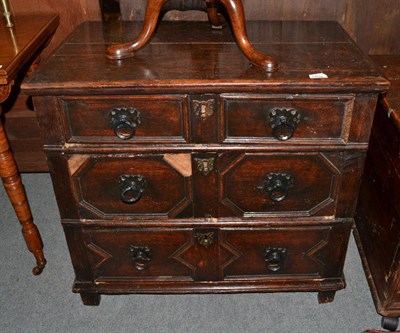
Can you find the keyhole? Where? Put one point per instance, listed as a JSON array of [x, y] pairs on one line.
[[205, 239]]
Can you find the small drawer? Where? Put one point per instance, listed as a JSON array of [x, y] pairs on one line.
[[277, 184], [308, 119], [121, 119], [288, 251], [139, 186]]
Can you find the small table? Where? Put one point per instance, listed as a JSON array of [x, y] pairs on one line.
[[21, 46]]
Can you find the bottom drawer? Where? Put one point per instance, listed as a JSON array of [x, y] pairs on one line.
[[143, 254], [215, 254]]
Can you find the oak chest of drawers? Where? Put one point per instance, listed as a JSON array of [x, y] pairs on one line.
[[186, 169]]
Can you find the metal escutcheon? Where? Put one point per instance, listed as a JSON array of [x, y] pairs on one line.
[[203, 109], [205, 239], [205, 165]]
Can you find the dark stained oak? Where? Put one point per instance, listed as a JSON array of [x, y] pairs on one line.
[[279, 184], [378, 209], [166, 191], [181, 172], [147, 123], [21, 46], [310, 117]]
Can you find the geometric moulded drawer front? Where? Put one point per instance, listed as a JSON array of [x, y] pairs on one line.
[[140, 186], [266, 184], [283, 251], [137, 254]]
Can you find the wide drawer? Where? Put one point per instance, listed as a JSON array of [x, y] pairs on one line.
[[314, 119], [228, 184], [137, 119], [217, 254]]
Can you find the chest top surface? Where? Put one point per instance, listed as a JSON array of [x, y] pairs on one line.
[[192, 55]]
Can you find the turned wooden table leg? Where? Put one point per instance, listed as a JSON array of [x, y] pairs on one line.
[[236, 15], [126, 50], [15, 191]]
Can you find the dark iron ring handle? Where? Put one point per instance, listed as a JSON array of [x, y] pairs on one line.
[[278, 192], [284, 131], [283, 123], [274, 258], [130, 195], [132, 188], [277, 185], [124, 130], [124, 122]]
